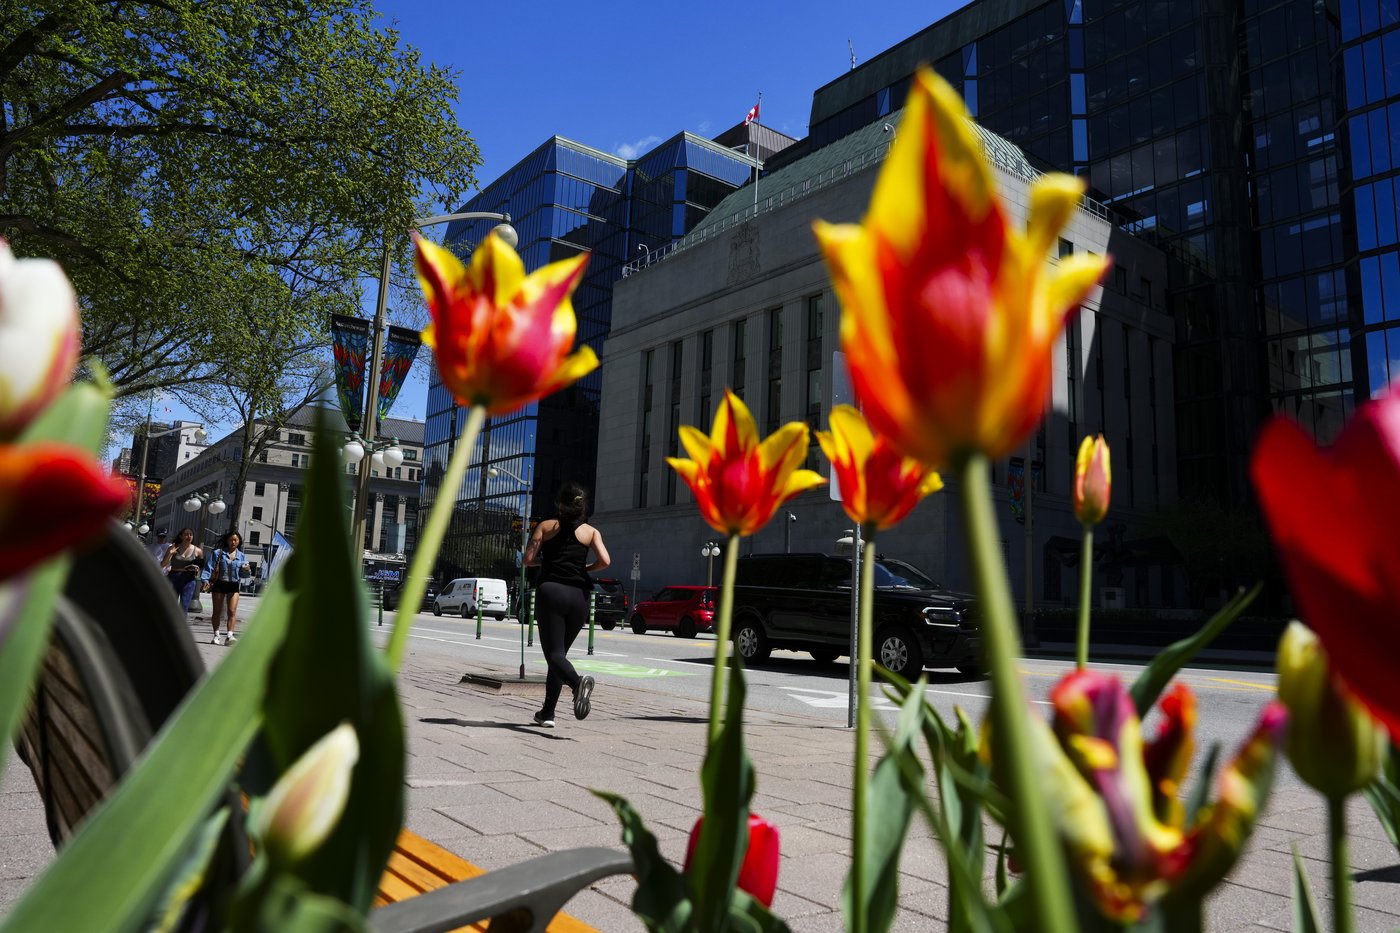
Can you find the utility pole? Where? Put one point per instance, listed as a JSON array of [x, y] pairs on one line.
[[370, 427]]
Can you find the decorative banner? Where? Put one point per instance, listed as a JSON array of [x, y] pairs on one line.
[[400, 350], [1016, 485], [350, 341]]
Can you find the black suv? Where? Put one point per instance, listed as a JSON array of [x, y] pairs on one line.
[[391, 596], [610, 603], [802, 602]]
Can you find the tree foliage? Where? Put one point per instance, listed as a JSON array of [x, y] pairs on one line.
[[199, 165]]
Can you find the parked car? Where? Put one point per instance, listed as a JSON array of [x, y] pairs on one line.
[[684, 610], [802, 602], [463, 594], [609, 603], [391, 596]]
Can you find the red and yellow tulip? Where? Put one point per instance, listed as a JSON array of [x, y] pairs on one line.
[[738, 481], [51, 497], [1333, 522], [1114, 797], [1093, 481], [879, 485], [501, 338], [39, 337], [758, 874], [949, 313]]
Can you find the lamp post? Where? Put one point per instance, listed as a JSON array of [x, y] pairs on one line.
[[386, 455], [371, 419], [787, 533], [710, 551], [197, 502], [139, 506], [524, 540]]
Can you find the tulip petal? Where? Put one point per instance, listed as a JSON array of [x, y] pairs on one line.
[[52, 497], [696, 443]]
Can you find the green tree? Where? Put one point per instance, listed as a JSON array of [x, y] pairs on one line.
[[180, 156]]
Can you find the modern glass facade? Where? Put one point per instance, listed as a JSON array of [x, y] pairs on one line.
[[1251, 139], [563, 198]]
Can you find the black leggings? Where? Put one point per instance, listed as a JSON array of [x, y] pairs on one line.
[[561, 611]]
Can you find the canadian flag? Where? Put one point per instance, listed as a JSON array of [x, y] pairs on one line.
[[752, 116]]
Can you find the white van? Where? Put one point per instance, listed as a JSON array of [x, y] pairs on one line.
[[464, 593]]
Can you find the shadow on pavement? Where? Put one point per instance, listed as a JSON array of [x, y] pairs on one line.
[[836, 670], [686, 719], [528, 728]]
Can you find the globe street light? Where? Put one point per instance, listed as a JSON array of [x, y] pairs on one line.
[[371, 420], [710, 551]]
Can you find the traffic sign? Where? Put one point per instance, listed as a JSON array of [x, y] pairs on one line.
[[636, 574]]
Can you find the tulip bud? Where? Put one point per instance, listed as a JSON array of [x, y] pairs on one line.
[[1093, 481], [1333, 742], [38, 337], [758, 875], [307, 801]]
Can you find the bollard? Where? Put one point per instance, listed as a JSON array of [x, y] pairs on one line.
[[592, 605], [531, 640], [381, 602], [478, 620]]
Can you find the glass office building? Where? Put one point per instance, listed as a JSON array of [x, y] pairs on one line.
[[1251, 139], [563, 198]]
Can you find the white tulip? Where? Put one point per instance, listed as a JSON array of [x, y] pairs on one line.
[[306, 802], [39, 337]]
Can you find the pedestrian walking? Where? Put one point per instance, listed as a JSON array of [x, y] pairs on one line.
[[182, 561], [560, 547], [224, 568], [158, 547]]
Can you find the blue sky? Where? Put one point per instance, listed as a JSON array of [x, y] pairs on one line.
[[622, 77]]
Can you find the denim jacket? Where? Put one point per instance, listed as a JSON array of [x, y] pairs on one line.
[[234, 565]]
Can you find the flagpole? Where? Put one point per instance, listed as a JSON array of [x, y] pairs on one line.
[[758, 113]]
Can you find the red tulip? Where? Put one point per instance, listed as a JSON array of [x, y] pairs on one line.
[[1333, 517], [51, 496], [879, 485], [758, 875], [502, 338], [739, 481], [1093, 481]]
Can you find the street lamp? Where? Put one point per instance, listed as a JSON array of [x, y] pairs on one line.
[[710, 551], [787, 533], [198, 500], [371, 420], [524, 540]]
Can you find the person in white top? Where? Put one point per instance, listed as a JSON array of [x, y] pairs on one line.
[[158, 547]]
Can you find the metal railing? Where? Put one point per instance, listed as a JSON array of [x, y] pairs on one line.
[[870, 157]]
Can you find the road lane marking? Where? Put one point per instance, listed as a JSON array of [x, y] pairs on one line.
[[1245, 683]]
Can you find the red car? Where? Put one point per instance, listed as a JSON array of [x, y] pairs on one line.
[[683, 609]]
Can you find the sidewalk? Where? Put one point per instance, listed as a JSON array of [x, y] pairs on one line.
[[488, 785]]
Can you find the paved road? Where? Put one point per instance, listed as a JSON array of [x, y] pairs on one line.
[[791, 683]]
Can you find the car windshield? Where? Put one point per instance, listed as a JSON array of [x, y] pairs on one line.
[[896, 573]]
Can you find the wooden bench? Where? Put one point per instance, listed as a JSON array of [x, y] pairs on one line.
[[418, 866], [115, 671]]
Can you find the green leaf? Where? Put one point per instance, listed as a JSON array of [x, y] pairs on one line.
[[1305, 919], [886, 825], [661, 900], [192, 872], [1201, 792], [1155, 677], [727, 785], [124, 855], [78, 417], [1384, 795], [328, 654]]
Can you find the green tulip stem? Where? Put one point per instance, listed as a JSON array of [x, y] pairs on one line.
[[1037, 848], [1086, 575], [1342, 921], [426, 551], [861, 784], [726, 616]]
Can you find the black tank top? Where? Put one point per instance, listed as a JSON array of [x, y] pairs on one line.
[[563, 559]]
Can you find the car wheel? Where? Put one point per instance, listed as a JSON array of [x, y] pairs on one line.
[[686, 629], [437, 609], [824, 655], [609, 625], [466, 611], [639, 625], [750, 643], [897, 650]]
